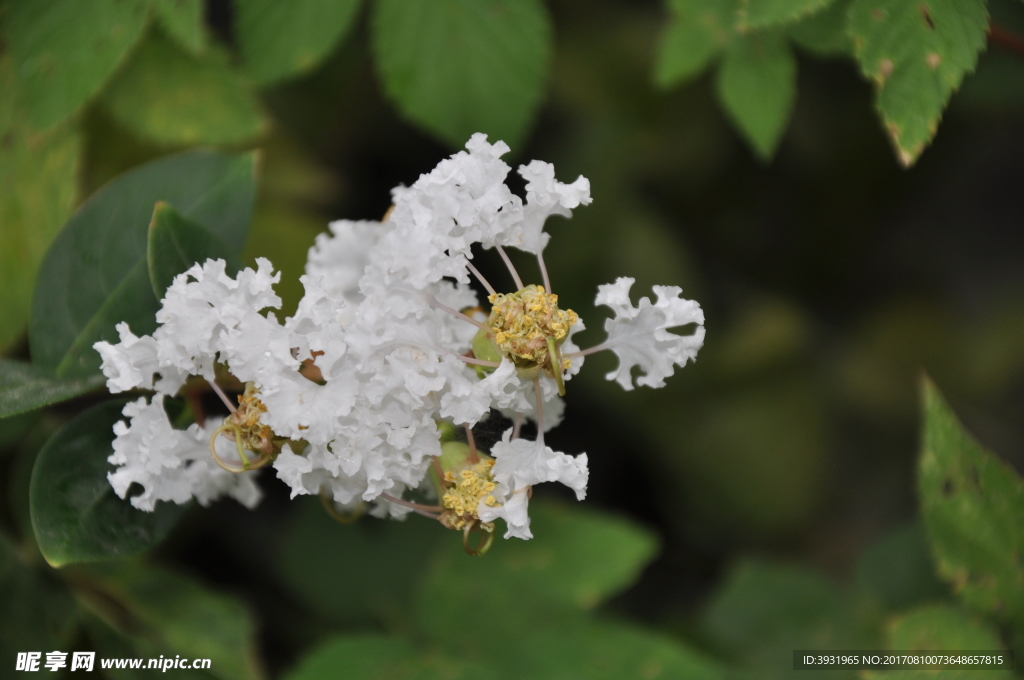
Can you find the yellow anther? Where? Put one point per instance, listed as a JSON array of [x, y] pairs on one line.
[[469, 488], [524, 321]]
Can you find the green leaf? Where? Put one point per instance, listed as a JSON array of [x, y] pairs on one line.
[[37, 192], [282, 40], [315, 564], [765, 610], [597, 650], [36, 611], [457, 67], [578, 559], [697, 32], [764, 13], [756, 85], [824, 33], [64, 55], [917, 54], [898, 569], [176, 243], [973, 506], [373, 657], [95, 274], [75, 514], [941, 628], [172, 97], [24, 387], [162, 611], [183, 21]]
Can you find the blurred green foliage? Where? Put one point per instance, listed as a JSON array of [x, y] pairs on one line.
[[776, 475]]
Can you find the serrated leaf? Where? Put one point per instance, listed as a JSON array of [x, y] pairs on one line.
[[163, 611], [941, 628], [697, 32], [282, 40], [973, 506], [76, 516], [756, 85], [176, 243], [64, 55], [917, 54], [754, 14], [172, 97], [183, 21], [457, 67], [824, 33], [578, 559], [24, 387], [95, 274], [38, 173]]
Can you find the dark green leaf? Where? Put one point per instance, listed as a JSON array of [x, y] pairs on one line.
[[183, 21], [316, 565], [824, 33], [37, 192], [597, 650], [898, 569], [696, 34], [757, 87], [176, 243], [578, 559], [75, 514], [941, 628], [36, 612], [95, 274], [162, 611], [283, 39], [457, 67], [764, 611], [172, 97], [763, 13], [917, 53], [24, 387], [64, 54], [973, 506], [12, 428], [376, 657]]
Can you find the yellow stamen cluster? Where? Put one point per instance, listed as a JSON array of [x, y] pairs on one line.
[[466, 490], [255, 436], [522, 322]]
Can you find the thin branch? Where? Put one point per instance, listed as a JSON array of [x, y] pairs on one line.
[[410, 504], [473, 457], [1004, 38], [481, 279], [584, 352], [468, 360], [445, 308], [223, 397], [540, 409], [544, 272], [511, 268]]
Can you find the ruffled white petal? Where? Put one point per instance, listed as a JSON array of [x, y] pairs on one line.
[[639, 335]]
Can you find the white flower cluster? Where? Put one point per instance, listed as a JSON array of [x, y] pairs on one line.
[[380, 324]]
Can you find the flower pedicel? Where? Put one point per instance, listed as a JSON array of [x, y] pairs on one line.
[[388, 349]]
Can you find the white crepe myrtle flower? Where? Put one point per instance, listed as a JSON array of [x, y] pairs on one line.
[[355, 397]]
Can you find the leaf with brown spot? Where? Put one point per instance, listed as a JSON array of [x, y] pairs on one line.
[[973, 506], [931, 45]]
